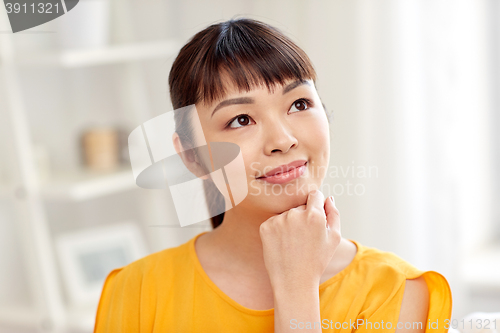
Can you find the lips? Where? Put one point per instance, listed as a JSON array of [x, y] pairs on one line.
[[284, 168]]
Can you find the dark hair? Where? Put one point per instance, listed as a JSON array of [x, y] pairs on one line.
[[252, 53]]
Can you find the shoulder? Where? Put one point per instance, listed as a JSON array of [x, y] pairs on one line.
[[128, 280], [140, 282], [415, 295], [384, 266], [149, 264], [159, 268], [386, 280]]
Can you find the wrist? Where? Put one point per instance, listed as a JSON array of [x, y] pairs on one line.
[[294, 287]]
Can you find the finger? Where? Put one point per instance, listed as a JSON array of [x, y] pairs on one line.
[[301, 207], [284, 214], [315, 200], [332, 214]]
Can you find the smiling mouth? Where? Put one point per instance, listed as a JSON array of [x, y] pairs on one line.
[[284, 168], [280, 174], [290, 174]]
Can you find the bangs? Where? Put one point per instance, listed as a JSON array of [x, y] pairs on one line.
[[250, 53], [251, 57]]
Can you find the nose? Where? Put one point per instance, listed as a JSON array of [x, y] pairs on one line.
[[279, 138]]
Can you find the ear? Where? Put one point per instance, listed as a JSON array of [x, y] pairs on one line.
[[188, 158]]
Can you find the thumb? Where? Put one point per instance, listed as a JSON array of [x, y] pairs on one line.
[[332, 214]]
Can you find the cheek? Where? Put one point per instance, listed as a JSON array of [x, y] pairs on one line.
[[250, 158], [315, 140], [314, 134]]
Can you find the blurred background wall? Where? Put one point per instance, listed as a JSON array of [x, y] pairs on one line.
[[413, 86]]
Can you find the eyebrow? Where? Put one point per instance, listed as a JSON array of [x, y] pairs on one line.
[[250, 100]]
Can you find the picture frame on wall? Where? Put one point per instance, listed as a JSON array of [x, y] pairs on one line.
[[86, 257]]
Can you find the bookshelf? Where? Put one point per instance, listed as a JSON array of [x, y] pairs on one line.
[[28, 195]]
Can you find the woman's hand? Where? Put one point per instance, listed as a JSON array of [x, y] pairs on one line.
[[299, 244]]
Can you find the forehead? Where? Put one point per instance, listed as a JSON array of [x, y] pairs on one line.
[[231, 89]]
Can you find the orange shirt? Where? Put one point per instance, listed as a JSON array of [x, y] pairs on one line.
[[168, 291]]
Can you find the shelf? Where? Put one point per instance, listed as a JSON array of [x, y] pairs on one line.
[[79, 319], [85, 185], [82, 319], [24, 317], [80, 185], [26, 189], [100, 56]]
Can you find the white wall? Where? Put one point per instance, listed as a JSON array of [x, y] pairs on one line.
[[408, 85]]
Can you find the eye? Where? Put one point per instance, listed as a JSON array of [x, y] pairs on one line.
[[300, 105], [240, 120]]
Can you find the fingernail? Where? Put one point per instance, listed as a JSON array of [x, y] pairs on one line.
[[333, 200]]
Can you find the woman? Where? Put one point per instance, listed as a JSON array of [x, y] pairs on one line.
[[276, 261]]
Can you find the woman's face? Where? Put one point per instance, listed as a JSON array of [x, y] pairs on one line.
[[272, 129]]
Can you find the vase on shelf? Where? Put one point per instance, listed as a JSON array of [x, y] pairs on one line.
[[100, 148]]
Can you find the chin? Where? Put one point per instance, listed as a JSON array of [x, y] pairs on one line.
[[263, 198], [280, 203]]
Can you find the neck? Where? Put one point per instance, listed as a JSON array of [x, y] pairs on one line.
[[239, 239]]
